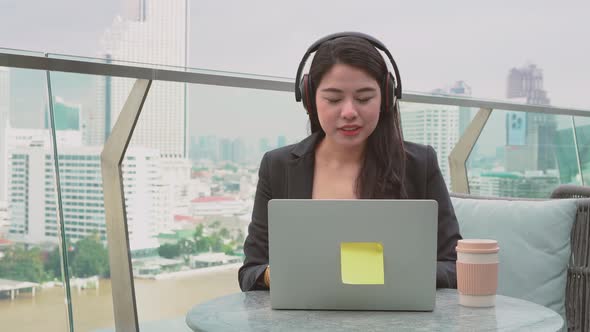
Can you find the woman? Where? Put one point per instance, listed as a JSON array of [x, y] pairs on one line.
[[355, 151]]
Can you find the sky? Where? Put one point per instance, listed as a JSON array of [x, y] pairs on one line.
[[435, 43]]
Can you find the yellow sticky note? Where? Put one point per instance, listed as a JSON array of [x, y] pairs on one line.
[[362, 263]]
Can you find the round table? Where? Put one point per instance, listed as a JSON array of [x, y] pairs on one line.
[[251, 311]]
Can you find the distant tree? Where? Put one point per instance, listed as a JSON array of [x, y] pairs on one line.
[[198, 232], [52, 264], [216, 243], [228, 250], [240, 237], [186, 248], [90, 258], [21, 264], [224, 233], [216, 224], [169, 250], [201, 242], [230, 167]]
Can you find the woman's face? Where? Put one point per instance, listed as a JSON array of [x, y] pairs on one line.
[[348, 103]]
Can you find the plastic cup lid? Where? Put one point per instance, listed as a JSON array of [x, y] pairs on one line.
[[477, 246]]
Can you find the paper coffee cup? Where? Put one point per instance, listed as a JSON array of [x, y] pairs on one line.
[[477, 272]]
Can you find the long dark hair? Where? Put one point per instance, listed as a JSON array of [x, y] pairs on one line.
[[383, 170]]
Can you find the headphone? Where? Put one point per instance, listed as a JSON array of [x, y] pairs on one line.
[[305, 92]]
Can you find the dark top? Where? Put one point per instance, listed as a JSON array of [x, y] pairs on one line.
[[287, 173]]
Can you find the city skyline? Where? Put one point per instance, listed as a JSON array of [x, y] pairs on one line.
[[153, 31], [190, 175], [416, 50]]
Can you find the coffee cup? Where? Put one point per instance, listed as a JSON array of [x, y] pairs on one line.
[[477, 272]]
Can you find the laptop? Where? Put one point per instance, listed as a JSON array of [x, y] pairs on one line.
[[353, 254]]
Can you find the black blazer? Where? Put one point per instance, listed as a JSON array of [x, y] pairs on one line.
[[287, 172]]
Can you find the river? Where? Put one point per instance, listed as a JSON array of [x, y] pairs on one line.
[[93, 308]]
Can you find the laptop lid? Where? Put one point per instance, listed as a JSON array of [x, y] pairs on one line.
[[353, 254]]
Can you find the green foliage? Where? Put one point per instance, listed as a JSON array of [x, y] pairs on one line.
[[216, 243], [23, 265], [240, 237], [168, 250], [228, 250], [230, 167], [186, 247], [52, 264], [201, 242], [89, 258], [198, 231], [224, 233]]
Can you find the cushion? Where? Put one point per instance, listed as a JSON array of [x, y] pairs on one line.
[[534, 240]]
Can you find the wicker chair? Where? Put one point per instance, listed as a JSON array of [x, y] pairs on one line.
[[577, 290], [578, 276]]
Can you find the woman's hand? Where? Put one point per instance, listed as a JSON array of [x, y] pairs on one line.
[[267, 276]]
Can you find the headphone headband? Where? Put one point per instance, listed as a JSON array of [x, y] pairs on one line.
[[376, 43]]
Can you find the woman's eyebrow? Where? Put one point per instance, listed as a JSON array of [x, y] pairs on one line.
[[365, 89], [332, 90]]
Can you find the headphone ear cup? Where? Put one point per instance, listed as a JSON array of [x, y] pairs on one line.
[[389, 93], [307, 97]]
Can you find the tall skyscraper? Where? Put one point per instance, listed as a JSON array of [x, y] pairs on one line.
[[460, 89], [264, 145], [238, 150], [530, 137], [97, 124], [4, 124], [434, 125], [67, 115], [281, 141], [154, 32], [225, 149], [526, 83], [437, 125]]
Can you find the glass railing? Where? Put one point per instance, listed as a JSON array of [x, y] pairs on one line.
[[439, 126], [189, 176], [522, 154], [32, 289]]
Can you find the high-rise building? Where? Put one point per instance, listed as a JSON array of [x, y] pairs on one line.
[[238, 151], [264, 145], [4, 218], [567, 158], [460, 89], [434, 125], [175, 191], [67, 116], [225, 149], [281, 141], [97, 120], [208, 148], [24, 137], [233, 150], [529, 136], [33, 201], [4, 124], [509, 184], [527, 83], [154, 32]]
